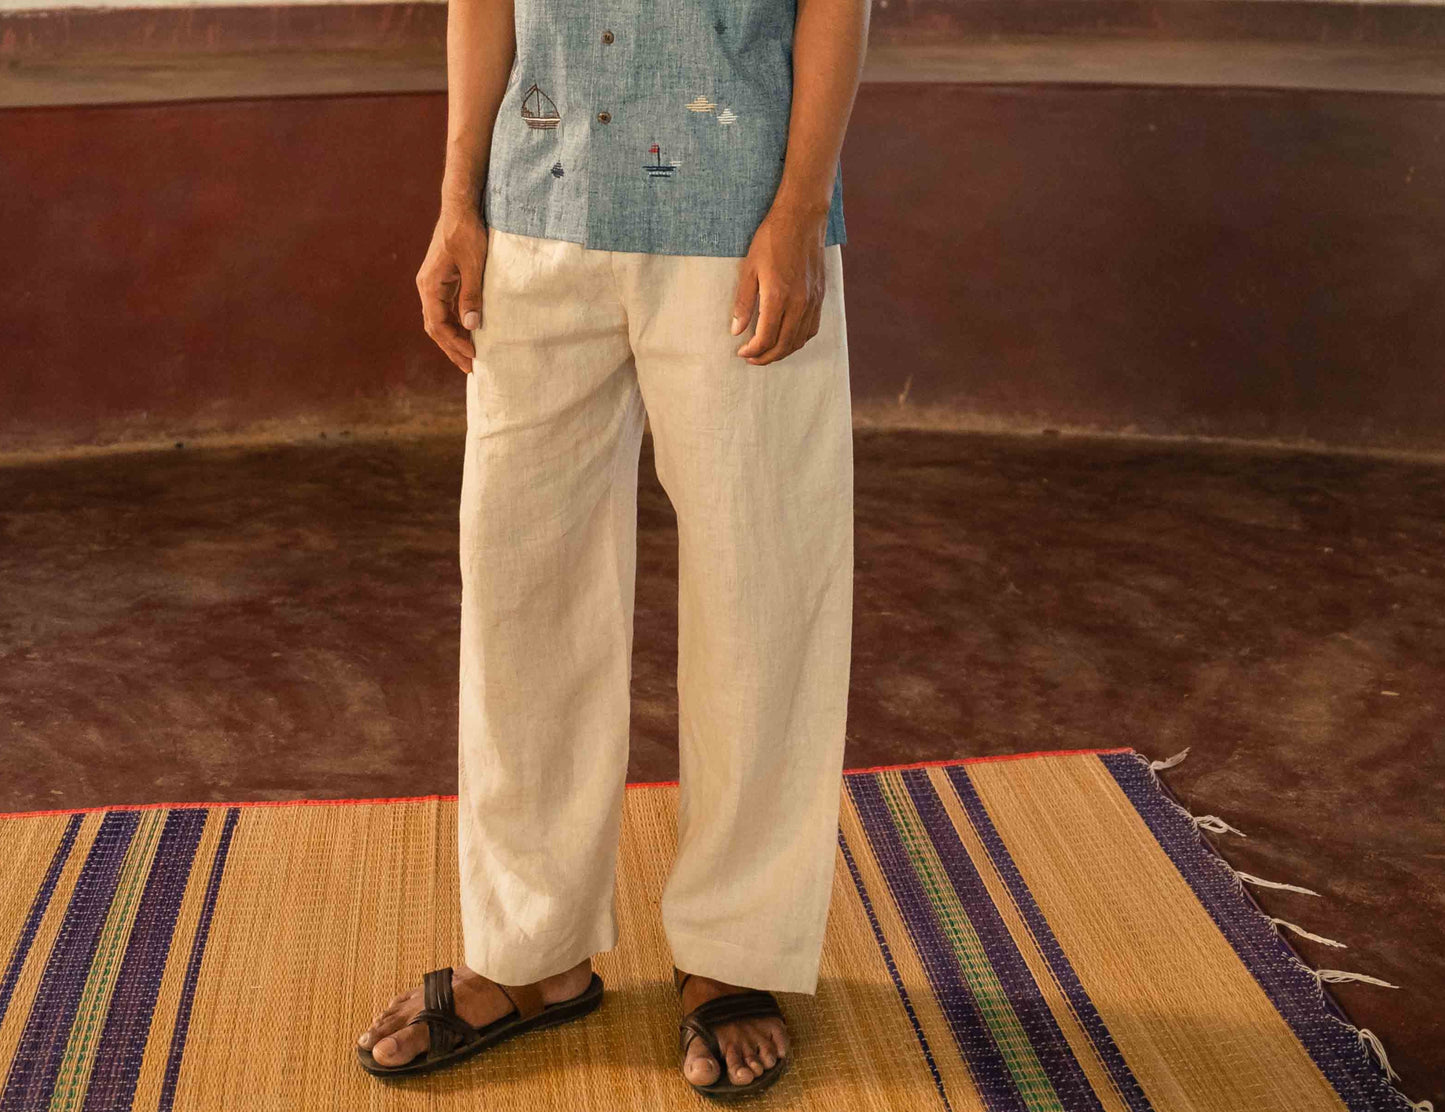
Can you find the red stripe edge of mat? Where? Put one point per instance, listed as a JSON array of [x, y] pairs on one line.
[[449, 798]]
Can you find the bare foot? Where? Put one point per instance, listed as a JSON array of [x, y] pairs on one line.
[[749, 1045], [392, 1042]]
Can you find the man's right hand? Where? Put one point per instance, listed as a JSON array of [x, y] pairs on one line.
[[450, 282]]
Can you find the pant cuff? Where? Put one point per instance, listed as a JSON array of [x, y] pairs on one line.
[[525, 964], [750, 967]]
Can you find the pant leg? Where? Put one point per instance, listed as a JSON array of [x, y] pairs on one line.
[[758, 463], [548, 557]]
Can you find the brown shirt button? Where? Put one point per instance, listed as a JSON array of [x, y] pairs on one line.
[[607, 36], [604, 117]]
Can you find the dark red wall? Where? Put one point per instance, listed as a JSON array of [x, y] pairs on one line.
[[1174, 260], [389, 24], [1249, 262]]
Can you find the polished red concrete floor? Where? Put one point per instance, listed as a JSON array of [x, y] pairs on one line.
[[277, 622]]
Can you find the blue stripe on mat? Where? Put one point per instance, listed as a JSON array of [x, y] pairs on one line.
[[193, 966], [976, 1043], [887, 953], [1028, 1003], [36, 1065], [127, 1027], [37, 912], [1130, 1091], [1293, 990]]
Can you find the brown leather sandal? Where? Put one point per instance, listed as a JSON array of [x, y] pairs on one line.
[[453, 1038], [699, 1023]]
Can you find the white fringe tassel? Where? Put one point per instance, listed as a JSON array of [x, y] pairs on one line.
[[1215, 825], [1321, 939], [1369, 1039], [1258, 883], [1371, 1042], [1341, 976]]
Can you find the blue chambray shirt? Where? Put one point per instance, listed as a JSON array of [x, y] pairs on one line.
[[646, 125]]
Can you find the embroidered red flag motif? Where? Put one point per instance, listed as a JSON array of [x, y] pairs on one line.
[[657, 169]]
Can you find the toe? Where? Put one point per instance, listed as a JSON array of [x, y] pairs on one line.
[[737, 1068], [401, 1047], [700, 1067], [752, 1054], [388, 1023]]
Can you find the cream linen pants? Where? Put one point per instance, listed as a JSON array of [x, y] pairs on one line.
[[575, 345]]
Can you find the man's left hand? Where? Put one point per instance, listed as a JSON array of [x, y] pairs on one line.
[[782, 279]]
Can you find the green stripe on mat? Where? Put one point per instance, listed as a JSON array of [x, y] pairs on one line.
[[993, 1002], [75, 1068]]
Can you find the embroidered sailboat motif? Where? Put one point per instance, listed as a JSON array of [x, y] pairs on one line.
[[700, 103], [557, 169], [659, 169], [727, 116], [538, 109]]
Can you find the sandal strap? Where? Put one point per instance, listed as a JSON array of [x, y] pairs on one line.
[[439, 1012], [690, 1029], [752, 1004], [701, 1021], [447, 1032], [527, 999], [446, 1029]]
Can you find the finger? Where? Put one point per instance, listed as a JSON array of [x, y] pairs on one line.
[[455, 343], [469, 301], [745, 298], [449, 335], [783, 343], [811, 323], [770, 320], [441, 320], [808, 324]]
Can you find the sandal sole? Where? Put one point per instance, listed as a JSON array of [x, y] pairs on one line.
[[498, 1032]]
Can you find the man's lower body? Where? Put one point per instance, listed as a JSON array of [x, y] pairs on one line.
[[575, 347]]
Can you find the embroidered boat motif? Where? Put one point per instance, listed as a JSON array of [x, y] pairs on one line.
[[557, 169], [538, 109], [727, 116], [659, 169], [700, 103]]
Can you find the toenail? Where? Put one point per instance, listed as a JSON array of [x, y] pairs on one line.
[[365, 1039]]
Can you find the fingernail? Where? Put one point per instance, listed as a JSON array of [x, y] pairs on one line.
[[737, 325], [472, 320]]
